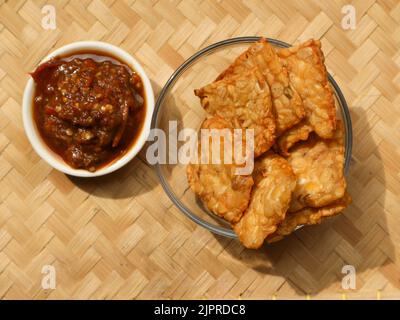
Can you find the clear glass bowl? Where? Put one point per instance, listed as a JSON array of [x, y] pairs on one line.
[[178, 102]]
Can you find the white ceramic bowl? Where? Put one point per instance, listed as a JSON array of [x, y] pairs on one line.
[[50, 156]]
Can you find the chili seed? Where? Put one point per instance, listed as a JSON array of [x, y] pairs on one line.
[[88, 135]]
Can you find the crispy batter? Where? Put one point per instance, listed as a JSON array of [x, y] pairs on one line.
[[318, 164], [308, 216], [245, 101], [301, 131], [222, 191], [274, 183], [308, 75], [287, 103]]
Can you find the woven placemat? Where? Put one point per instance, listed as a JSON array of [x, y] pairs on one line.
[[120, 236]]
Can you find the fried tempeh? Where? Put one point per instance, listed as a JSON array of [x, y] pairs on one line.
[[318, 164], [274, 183], [300, 131], [245, 101], [224, 193], [288, 107], [308, 216], [308, 75]]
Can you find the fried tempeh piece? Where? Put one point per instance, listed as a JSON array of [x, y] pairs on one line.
[[288, 107], [274, 183], [223, 192], [318, 164], [308, 75], [245, 101], [308, 216], [300, 131]]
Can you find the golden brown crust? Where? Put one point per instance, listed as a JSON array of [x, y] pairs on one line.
[[299, 132], [274, 183], [283, 94], [308, 75], [245, 101], [308, 216], [288, 107], [318, 164], [223, 192]]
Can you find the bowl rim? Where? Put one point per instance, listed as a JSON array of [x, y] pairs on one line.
[[229, 233], [55, 160]]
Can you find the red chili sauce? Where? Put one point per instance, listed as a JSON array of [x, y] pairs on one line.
[[89, 108]]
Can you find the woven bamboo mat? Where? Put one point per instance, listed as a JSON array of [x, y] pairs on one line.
[[120, 236]]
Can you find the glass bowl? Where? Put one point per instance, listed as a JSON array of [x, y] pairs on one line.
[[178, 102]]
